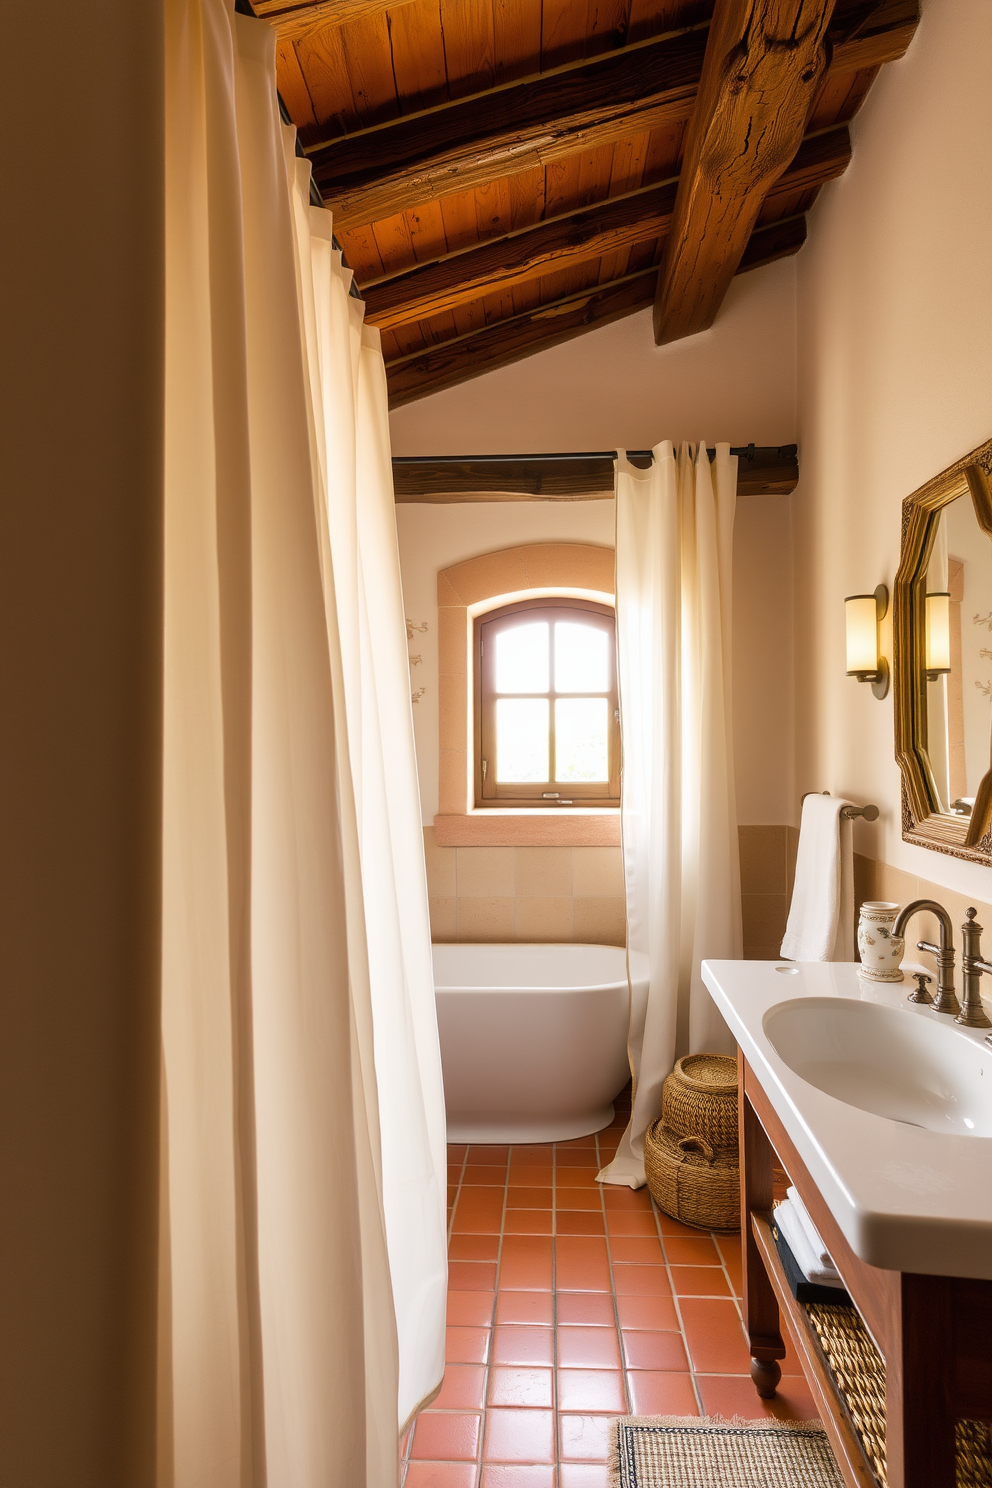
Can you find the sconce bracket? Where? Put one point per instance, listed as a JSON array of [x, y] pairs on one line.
[[881, 609], [880, 682]]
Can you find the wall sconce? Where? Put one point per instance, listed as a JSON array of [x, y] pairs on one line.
[[864, 613], [938, 652]]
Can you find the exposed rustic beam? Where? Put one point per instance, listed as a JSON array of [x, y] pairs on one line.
[[293, 18], [762, 471], [765, 61], [517, 336], [494, 134], [564, 241], [882, 35]]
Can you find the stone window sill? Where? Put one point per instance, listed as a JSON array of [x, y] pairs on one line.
[[518, 827]]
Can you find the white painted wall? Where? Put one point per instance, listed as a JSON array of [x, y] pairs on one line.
[[895, 383]]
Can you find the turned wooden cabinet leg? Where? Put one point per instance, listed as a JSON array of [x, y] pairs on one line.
[[761, 1318], [919, 1420]]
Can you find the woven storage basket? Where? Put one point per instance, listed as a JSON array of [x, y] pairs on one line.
[[690, 1181], [699, 1099]]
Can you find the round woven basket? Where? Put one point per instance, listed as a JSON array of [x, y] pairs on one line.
[[699, 1099], [691, 1181]]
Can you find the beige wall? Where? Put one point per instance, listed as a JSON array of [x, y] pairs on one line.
[[895, 383]]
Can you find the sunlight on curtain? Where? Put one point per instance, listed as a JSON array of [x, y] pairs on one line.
[[674, 549], [303, 1264]]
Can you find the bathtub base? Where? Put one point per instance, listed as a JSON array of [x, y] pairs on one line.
[[523, 1130]]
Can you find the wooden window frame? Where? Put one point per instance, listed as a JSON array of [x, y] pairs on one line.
[[537, 795]]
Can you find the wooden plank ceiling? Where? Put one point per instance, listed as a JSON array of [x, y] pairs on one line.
[[507, 174]]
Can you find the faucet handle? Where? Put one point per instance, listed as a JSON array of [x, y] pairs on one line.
[[921, 994]]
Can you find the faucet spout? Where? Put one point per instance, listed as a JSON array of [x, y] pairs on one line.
[[946, 1000]]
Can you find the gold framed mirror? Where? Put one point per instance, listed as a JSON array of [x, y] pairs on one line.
[[942, 660]]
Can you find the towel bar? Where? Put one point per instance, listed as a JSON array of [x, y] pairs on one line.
[[869, 813]]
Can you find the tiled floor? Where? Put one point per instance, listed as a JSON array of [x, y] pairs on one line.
[[570, 1302]]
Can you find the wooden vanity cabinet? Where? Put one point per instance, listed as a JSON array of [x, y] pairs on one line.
[[934, 1332]]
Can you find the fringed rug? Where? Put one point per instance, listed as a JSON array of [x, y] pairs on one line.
[[707, 1452]]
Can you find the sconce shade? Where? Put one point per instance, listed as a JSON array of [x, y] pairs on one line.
[[861, 615], [938, 634]]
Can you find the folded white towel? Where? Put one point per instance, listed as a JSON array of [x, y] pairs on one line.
[[821, 915], [795, 1237], [812, 1233]]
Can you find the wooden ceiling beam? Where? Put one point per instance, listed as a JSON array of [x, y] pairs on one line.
[[292, 19], [564, 241], [462, 357], [765, 62], [423, 157]]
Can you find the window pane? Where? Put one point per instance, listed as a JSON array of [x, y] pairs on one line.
[[582, 662], [522, 739], [522, 662], [581, 750]]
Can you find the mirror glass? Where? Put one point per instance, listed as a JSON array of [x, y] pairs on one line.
[[959, 656]]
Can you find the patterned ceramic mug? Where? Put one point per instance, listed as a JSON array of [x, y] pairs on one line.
[[880, 950]]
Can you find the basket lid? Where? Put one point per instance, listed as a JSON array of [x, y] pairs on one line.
[[714, 1074]]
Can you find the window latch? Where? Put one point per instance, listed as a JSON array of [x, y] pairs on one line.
[[485, 768], [550, 795]]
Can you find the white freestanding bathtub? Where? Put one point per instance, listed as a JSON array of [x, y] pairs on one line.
[[533, 1039]]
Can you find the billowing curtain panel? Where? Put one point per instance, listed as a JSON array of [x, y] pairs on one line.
[[297, 1005], [674, 550]]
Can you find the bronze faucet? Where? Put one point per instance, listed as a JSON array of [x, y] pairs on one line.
[[973, 1014], [946, 1001]]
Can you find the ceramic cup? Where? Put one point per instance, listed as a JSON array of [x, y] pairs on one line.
[[880, 950]]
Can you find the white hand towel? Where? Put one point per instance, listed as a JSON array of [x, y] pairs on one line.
[[812, 1233], [821, 915], [795, 1238]]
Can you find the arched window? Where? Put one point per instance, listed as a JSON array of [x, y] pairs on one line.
[[547, 729]]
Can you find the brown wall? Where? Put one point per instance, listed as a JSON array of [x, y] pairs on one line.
[[80, 653]]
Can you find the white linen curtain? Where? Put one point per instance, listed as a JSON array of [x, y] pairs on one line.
[[302, 1231], [674, 552]]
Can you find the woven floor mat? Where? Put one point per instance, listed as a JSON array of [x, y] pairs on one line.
[[708, 1452], [859, 1373]]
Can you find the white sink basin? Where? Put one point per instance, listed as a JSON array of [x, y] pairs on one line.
[[920, 1073]]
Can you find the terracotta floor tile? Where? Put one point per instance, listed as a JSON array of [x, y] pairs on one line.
[[537, 1152], [732, 1260], [574, 1142], [584, 1438], [524, 1307], [619, 1196], [446, 1437], [700, 1281], [714, 1336], [519, 1436], [579, 1198], [578, 1176], [667, 1394], [516, 1475], [588, 1348], [485, 1154], [583, 1475], [470, 1309], [527, 1345], [456, 1150], [473, 1276], [527, 1222], [530, 1175], [466, 1345], [579, 1221], [520, 1385], [732, 1395], [479, 1211], [669, 1226], [525, 1263], [484, 1177], [644, 1350], [454, 1171], [473, 1247], [464, 1388], [643, 1248], [440, 1475], [576, 1157], [654, 1313], [641, 1281], [630, 1222], [691, 1250], [590, 1390], [529, 1198], [586, 1309], [581, 1264]]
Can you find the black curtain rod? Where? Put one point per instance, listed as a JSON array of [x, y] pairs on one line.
[[745, 451]]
